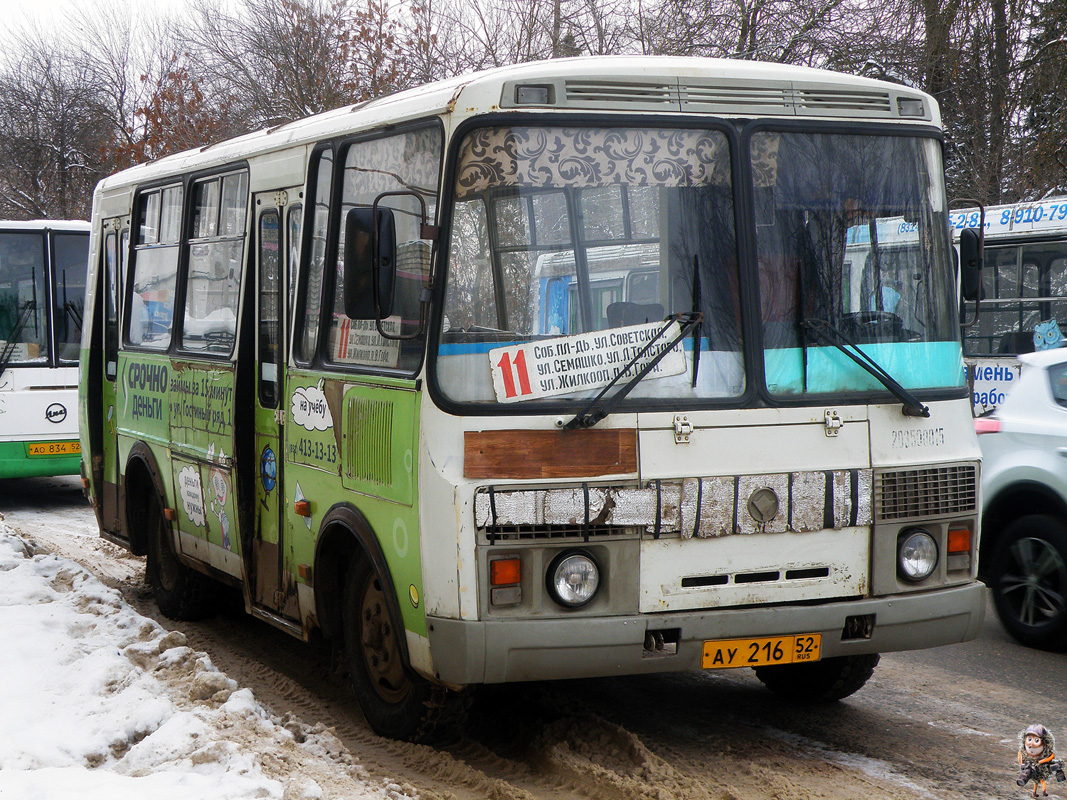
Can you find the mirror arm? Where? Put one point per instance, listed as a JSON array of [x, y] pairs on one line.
[[974, 321]]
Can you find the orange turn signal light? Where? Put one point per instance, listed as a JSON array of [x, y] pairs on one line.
[[302, 508], [505, 572], [959, 540]]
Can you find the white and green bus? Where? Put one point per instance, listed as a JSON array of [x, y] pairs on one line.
[[553, 371], [42, 298]]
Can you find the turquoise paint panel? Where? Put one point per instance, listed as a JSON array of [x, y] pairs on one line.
[[914, 365]]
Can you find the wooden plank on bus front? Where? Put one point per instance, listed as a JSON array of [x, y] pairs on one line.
[[518, 454]]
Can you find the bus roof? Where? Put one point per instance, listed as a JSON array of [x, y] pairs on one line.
[[76, 225], [724, 87]]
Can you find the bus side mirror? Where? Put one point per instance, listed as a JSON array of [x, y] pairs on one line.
[[370, 263], [970, 264]]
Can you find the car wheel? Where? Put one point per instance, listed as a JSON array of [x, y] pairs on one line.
[[1029, 581]]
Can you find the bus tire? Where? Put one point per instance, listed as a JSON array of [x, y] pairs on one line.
[[1028, 576], [181, 593], [820, 681], [395, 701]]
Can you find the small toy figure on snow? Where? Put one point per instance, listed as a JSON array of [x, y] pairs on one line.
[[1037, 761]]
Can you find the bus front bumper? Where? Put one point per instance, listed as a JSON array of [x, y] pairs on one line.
[[472, 652]]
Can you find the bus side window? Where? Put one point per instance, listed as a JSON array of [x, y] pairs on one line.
[[111, 313], [391, 171], [269, 306], [216, 256], [296, 220], [154, 271], [320, 179]]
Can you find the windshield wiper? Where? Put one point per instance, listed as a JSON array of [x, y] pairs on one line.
[[595, 410], [13, 339], [828, 333]]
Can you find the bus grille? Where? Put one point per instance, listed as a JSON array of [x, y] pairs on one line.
[[525, 533], [930, 492], [726, 97], [609, 94], [737, 99], [370, 443], [818, 101]]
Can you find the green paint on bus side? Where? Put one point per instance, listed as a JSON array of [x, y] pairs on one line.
[[142, 402], [16, 461], [356, 443], [345, 441]]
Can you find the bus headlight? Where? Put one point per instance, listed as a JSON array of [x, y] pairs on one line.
[[916, 555], [573, 578]]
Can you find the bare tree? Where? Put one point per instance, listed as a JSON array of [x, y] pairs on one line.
[[285, 59], [53, 130], [493, 33], [806, 32], [1041, 168], [127, 58]]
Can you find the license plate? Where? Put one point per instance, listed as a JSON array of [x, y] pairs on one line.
[[727, 653], [54, 448]]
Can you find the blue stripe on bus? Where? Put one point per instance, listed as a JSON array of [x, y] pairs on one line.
[[915, 365]]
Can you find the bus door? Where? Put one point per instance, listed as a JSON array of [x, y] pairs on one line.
[[116, 246], [202, 380], [277, 228]]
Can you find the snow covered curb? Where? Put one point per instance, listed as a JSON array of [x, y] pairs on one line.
[[100, 702]]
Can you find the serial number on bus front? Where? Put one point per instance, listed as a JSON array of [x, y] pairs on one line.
[[54, 448], [727, 653]]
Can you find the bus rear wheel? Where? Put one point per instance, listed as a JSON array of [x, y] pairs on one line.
[[181, 593], [820, 681], [396, 702]]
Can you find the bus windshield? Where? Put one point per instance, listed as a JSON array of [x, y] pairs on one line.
[[571, 247], [25, 285], [851, 234]]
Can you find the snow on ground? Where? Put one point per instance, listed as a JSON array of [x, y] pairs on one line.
[[99, 702]]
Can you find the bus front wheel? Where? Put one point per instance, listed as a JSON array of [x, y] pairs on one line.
[[396, 702], [181, 593], [820, 681]]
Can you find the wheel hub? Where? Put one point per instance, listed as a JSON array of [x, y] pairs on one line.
[[381, 649], [1039, 574]]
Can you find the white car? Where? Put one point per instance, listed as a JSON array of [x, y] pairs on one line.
[[1023, 556]]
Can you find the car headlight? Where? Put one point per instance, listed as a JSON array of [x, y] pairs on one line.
[[916, 555], [573, 579]]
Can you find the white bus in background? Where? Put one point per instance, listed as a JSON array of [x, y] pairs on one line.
[[1024, 292], [42, 299]]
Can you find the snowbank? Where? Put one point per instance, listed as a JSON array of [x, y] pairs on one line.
[[102, 703]]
